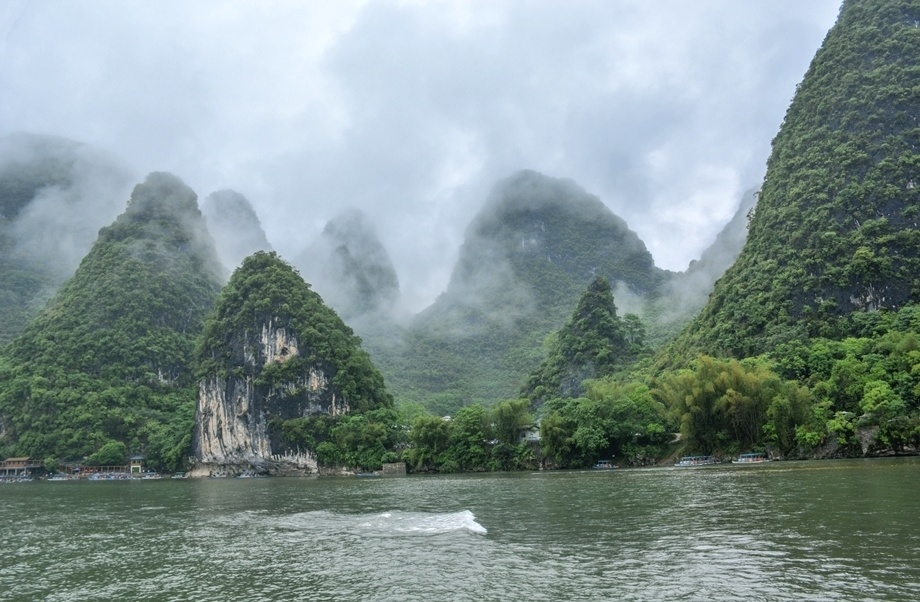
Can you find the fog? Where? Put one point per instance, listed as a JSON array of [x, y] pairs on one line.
[[59, 194], [410, 111]]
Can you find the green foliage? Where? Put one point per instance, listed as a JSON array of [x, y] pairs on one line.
[[113, 453], [725, 404], [475, 439], [509, 417], [365, 439], [807, 393], [430, 437], [357, 441], [613, 420], [469, 440], [527, 259]]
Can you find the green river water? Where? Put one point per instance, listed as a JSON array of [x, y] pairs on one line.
[[831, 530]]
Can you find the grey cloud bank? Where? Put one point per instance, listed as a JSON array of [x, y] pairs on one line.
[[411, 111]]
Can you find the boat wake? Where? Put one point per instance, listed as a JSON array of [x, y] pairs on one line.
[[424, 522], [386, 524]]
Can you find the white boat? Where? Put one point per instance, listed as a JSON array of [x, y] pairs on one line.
[[751, 458], [604, 465], [690, 461]]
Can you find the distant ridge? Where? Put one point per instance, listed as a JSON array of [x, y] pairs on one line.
[[55, 194], [350, 268]]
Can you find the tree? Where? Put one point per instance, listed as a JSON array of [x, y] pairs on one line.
[[509, 417], [113, 453], [470, 437], [429, 439]]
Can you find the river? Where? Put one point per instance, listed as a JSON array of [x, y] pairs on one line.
[[829, 530]]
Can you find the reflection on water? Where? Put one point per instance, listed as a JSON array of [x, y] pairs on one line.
[[785, 531]]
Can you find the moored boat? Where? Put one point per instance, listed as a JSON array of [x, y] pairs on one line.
[[751, 458], [604, 465], [690, 461]]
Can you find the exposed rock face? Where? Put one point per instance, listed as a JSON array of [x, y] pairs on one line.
[[233, 412], [274, 353]]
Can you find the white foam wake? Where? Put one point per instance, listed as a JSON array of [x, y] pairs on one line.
[[425, 522]]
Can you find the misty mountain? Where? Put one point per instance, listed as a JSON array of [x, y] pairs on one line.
[[687, 292], [526, 259], [235, 227], [350, 268], [109, 361], [55, 194], [834, 234], [535, 246]]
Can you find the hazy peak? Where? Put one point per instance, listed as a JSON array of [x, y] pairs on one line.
[[162, 193], [234, 225], [349, 266]]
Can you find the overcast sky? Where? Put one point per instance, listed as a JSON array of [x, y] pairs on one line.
[[411, 110]]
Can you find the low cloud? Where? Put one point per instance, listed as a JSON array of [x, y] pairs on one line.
[[411, 111]]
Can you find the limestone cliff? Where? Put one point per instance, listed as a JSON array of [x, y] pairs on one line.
[[274, 352]]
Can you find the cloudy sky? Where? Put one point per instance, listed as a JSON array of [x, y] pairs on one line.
[[411, 110]]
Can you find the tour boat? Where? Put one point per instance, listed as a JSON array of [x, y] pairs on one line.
[[751, 458], [688, 461]]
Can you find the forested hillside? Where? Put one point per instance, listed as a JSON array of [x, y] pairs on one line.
[[835, 230], [107, 367], [808, 346], [811, 339], [594, 343]]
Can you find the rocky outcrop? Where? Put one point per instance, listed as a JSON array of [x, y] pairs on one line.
[[272, 354]]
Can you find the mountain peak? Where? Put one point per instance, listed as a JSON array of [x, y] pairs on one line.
[[117, 340], [350, 268], [163, 194]]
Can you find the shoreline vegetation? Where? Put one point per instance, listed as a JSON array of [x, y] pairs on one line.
[[672, 461]]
